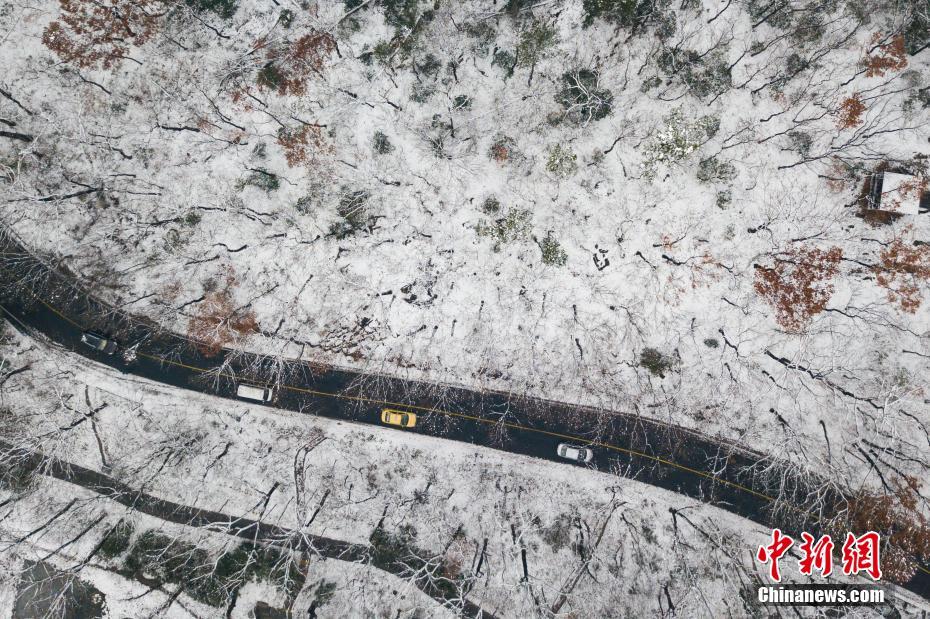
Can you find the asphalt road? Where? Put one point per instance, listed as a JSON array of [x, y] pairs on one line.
[[35, 298]]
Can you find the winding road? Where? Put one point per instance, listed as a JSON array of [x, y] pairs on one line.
[[39, 299]]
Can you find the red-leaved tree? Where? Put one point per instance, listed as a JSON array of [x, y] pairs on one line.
[[93, 33], [901, 270], [898, 517], [849, 114], [288, 67], [890, 56], [218, 323], [303, 146], [798, 285]]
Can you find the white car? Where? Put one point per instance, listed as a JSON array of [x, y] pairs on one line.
[[576, 454], [252, 392]]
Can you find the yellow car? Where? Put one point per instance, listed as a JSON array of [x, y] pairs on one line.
[[398, 418]]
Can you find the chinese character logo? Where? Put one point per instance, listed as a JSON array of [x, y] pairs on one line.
[[859, 554], [774, 552]]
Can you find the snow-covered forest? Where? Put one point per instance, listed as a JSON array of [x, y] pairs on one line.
[[662, 207]]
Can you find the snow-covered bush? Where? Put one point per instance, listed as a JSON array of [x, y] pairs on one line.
[[504, 149], [562, 162], [800, 142], [628, 13], [117, 540], [381, 144], [654, 361], [506, 60], [491, 205], [552, 252], [513, 226], [534, 43], [353, 211], [223, 8], [713, 170], [421, 92], [703, 75], [262, 179], [678, 139], [582, 97]]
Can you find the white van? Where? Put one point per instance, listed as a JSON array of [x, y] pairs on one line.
[[259, 394]]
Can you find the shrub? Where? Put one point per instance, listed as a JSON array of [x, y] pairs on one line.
[[429, 66], [491, 205], [713, 169], [218, 323], [211, 580], [582, 98], [505, 60], [383, 52], [552, 252], [306, 204], [261, 178], [421, 92], [534, 43], [562, 162], [401, 14], [461, 102], [710, 125], [515, 225], [558, 534], [627, 13], [800, 142], [654, 361], [382, 144], [674, 143], [776, 13], [483, 33], [503, 149], [353, 211], [192, 218], [323, 592], [223, 8], [286, 18], [17, 474], [703, 75], [917, 30], [117, 540], [649, 83]]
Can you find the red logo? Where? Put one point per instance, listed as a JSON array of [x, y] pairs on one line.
[[817, 556], [774, 551], [860, 554]]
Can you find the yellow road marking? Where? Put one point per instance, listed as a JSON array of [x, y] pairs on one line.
[[485, 421], [514, 426]]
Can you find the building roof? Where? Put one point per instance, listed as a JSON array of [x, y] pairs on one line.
[[901, 193]]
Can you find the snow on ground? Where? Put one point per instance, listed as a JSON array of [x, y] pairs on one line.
[[227, 456], [434, 281]]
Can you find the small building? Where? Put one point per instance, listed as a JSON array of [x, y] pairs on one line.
[[898, 192]]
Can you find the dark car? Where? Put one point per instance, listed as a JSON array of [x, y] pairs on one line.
[[100, 342]]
